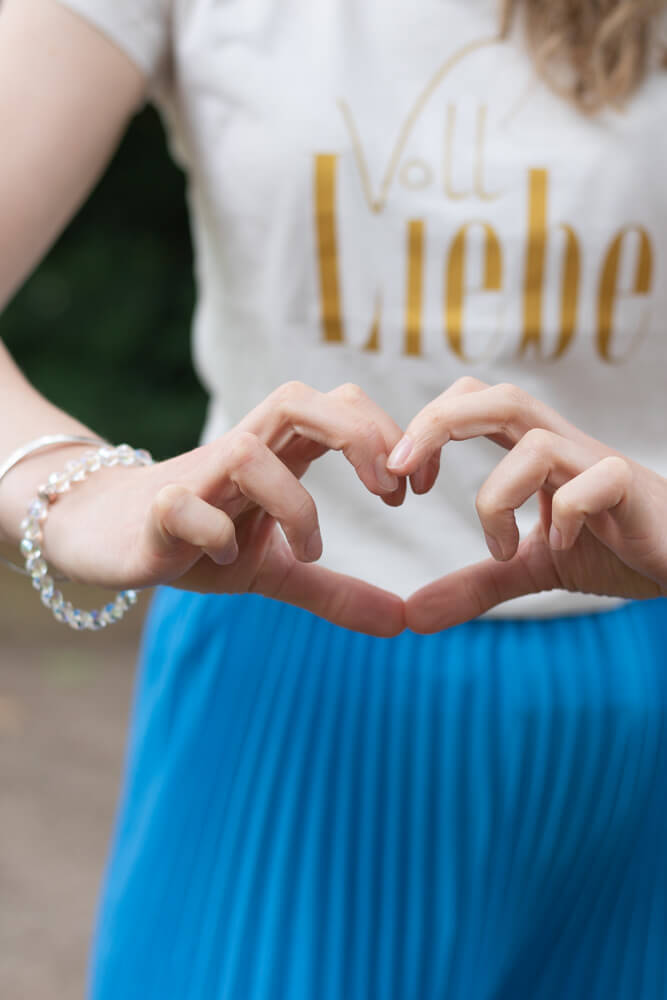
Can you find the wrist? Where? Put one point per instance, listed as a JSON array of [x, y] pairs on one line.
[[75, 473], [21, 484]]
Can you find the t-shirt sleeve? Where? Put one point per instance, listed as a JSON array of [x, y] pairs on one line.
[[139, 27]]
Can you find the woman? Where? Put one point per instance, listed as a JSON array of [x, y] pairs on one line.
[[389, 197]]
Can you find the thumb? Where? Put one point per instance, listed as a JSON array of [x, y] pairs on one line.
[[469, 592], [181, 525]]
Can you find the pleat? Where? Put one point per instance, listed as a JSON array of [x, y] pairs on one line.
[[313, 813]]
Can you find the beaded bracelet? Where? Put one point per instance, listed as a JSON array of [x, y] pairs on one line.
[[76, 471]]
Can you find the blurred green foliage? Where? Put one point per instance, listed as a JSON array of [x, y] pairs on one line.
[[102, 326]]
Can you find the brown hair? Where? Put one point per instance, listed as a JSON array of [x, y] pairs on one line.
[[594, 52]]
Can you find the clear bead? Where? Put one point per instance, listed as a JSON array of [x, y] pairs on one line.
[[121, 603], [48, 591], [56, 483], [129, 597], [74, 617], [75, 470], [125, 454], [31, 529], [58, 605], [34, 563], [45, 492], [38, 572], [64, 484], [143, 457], [38, 510], [28, 546], [108, 457], [86, 620], [92, 461], [119, 608], [96, 622], [114, 611]]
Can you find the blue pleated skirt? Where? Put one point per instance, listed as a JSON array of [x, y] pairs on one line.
[[313, 814]]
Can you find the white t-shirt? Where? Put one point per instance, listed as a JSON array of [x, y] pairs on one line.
[[384, 193]]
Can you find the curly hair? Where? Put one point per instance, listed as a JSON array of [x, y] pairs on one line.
[[594, 52]]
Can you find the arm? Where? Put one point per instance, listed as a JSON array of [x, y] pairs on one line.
[[207, 520], [66, 95]]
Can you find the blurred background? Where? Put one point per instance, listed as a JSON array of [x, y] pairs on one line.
[[102, 329]]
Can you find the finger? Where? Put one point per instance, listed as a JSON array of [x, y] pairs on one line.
[[180, 518], [502, 412], [463, 387], [396, 498], [261, 477], [344, 420], [540, 459], [469, 592], [343, 600], [426, 475], [352, 395], [602, 487], [423, 479]]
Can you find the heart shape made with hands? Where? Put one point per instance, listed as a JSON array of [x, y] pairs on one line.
[[599, 525], [599, 529]]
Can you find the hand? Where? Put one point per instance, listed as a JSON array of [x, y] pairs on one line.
[[602, 516], [208, 520]]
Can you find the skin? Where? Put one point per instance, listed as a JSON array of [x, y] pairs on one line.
[[601, 514], [211, 519], [177, 521]]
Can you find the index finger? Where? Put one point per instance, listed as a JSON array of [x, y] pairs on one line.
[[503, 413], [344, 420]]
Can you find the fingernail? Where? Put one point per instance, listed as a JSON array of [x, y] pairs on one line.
[[555, 538], [401, 453], [314, 546], [384, 478], [419, 479], [494, 548], [228, 555]]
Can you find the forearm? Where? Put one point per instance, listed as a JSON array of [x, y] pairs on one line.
[[25, 415], [66, 95]]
